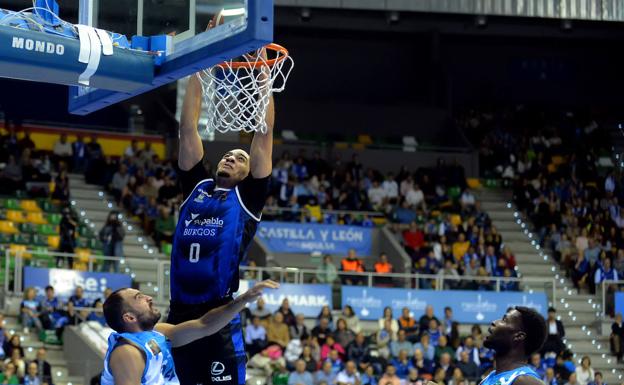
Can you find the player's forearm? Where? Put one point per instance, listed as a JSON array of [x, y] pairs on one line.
[[217, 319], [191, 150], [209, 324], [262, 146]]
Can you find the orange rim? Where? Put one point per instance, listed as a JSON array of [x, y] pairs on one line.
[[282, 54]]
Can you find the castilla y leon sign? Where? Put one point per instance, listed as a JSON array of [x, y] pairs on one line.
[[309, 237]]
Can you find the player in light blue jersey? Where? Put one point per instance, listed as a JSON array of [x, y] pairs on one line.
[[139, 351], [520, 333]]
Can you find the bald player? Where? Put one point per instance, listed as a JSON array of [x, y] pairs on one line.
[[218, 219]]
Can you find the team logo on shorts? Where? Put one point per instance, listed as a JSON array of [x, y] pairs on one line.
[[216, 370]]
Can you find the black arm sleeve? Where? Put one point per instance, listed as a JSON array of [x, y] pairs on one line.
[[189, 179], [254, 192]]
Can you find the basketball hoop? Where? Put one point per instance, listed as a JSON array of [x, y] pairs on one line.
[[237, 92]]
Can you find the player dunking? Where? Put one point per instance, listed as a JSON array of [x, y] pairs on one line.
[[139, 351], [520, 333], [218, 219]]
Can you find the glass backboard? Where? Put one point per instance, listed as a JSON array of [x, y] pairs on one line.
[[243, 26]]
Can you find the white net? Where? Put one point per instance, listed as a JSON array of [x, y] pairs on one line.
[[237, 92]]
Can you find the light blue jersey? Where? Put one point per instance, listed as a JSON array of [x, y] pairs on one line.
[[508, 377], [159, 367]]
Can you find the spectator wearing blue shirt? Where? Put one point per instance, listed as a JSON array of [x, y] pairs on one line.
[[299, 169], [335, 361], [325, 375], [605, 272], [425, 346], [4, 337], [424, 365], [367, 222], [434, 332], [447, 322], [53, 315], [470, 255], [31, 377], [491, 261], [597, 379], [401, 344], [403, 214], [592, 252], [30, 309], [472, 350], [580, 273], [79, 152], [97, 315], [255, 336], [486, 356], [538, 365], [509, 285], [368, 377], [550, 378], [300, 376], [286, 192], [77, 301], [402, 364]]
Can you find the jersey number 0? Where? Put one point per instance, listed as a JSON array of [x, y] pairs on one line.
[[194, 253]]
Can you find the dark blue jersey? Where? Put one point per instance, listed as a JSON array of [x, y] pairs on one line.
[[214, 230]]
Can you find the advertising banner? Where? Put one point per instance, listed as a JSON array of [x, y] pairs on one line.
[[65, 281], [468, 306], [284, 237]]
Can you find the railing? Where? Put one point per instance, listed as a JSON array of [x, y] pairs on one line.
[[14, 280], [407, 280], [161, 271], [607, 296]]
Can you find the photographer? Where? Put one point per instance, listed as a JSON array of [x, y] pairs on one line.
[[112, 235], [67, 233]]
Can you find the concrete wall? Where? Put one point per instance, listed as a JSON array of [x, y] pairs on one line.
[[82, 359]]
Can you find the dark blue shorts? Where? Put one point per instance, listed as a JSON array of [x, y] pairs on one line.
[[218, 359]]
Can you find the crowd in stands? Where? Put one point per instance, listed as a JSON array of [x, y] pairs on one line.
[[401, 350], [16, 369], [435, 216], [561, 168], [51, 313], [47, 313]]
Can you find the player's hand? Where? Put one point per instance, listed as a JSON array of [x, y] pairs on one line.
[[256, 291]]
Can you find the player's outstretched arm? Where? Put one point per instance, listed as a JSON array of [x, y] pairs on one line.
[[127, 364], [191, 150], [214, 320], [262, 145]]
